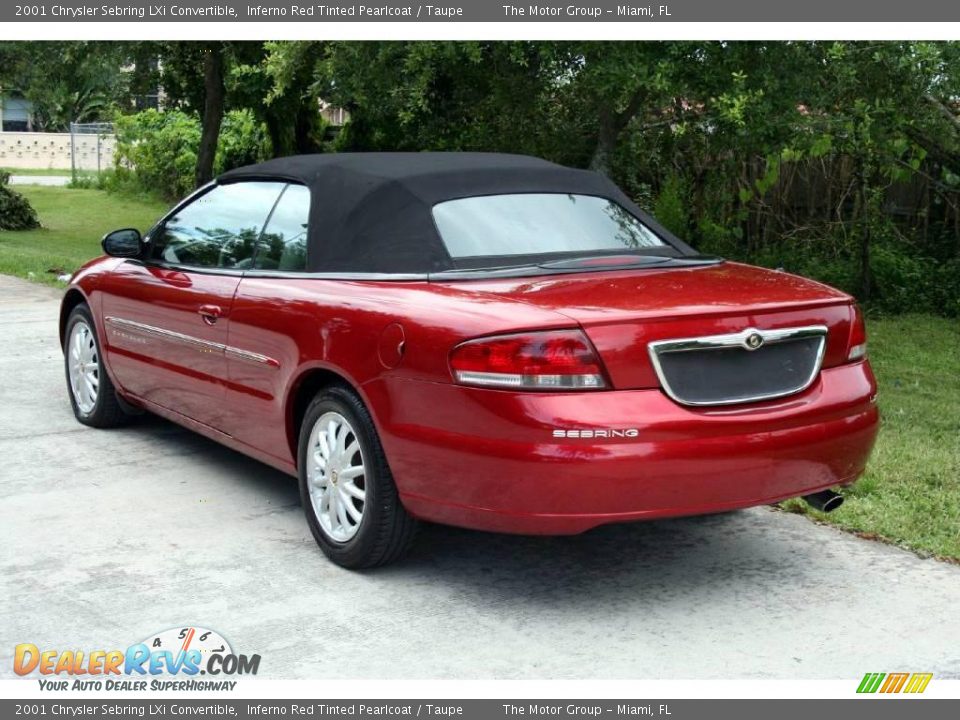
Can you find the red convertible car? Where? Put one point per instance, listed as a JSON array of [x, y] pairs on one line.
[[484, 340]]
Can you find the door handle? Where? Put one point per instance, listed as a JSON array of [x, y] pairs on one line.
[[210, 313]]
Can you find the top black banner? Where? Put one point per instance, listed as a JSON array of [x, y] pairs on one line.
[[479, 11]]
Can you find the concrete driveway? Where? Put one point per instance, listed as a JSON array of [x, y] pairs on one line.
[[110, 536]]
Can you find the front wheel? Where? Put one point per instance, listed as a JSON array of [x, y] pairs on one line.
[[92, 395], [346, 487]]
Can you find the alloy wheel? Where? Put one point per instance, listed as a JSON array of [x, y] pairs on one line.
[[83, 364], [336, 477]]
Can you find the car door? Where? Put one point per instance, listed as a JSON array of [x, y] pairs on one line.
[[167, 315], [272, 315]]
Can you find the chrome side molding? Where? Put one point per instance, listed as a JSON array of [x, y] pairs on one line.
[[190, 341]]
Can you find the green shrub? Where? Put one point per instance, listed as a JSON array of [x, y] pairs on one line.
[[157, 151], [902, 279], [92, 181], [671, 208], [906, 282], [243, 141], [717, 239], [15, 211]]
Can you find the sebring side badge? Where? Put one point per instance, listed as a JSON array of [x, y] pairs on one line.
[[596, 433]]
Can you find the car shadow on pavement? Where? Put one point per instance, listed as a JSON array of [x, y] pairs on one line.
[[624, 563]]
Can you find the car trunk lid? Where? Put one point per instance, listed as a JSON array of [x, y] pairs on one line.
[[624, 311]]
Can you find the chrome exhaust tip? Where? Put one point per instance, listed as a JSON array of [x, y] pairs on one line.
[[824, 501]]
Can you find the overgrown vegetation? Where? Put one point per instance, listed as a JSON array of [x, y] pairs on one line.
[[15, 210], [838, 160], [157, 151]]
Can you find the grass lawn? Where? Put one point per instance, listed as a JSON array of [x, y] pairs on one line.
[[73, 222], [38, 171], [910, 494]]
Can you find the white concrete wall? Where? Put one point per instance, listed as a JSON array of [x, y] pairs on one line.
[[44, 151]]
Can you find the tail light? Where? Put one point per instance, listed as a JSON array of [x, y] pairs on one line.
[[857, 345], [548, 360]]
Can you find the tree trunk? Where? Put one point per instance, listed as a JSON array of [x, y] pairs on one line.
[[213, 102], [305, 125], [275, 131], [277, 120], [612, 123], [607, 136]]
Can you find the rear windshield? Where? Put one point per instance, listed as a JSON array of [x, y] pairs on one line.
[[533, 224]]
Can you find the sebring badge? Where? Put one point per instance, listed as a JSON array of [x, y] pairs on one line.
[[596, 433]]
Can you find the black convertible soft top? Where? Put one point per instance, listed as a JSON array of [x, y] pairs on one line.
[[372, 212]]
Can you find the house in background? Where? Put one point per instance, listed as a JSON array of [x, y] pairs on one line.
[[335, 116], [16, 113], [22, 146]]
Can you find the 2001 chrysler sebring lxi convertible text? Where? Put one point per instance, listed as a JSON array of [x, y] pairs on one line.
[[490, 341]]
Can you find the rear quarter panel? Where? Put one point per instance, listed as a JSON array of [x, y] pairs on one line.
[[342, 326]]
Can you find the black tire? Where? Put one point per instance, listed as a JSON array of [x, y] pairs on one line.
[[386, 531], [107, 411]]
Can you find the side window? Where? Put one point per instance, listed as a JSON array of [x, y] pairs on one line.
[[283, 245], [219, 229]]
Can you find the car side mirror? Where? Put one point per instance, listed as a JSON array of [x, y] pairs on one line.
[[126, 243]]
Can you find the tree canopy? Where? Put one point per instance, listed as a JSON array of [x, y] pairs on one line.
[[838, 159]]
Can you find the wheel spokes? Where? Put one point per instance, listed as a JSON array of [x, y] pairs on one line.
[[319, 459], [83, 367], [352, 472], [351, 509], [335, 468], [353, 490], [341, 513]]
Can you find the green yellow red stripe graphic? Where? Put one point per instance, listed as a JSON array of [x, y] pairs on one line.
[[895, 682]]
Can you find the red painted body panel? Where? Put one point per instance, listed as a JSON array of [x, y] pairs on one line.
[[163, 371], [487, 458], [624, 311]]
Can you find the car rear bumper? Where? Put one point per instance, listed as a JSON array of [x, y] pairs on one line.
[[494, 460]]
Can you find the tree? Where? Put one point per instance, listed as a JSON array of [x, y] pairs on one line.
[[873, 105], [427, 95], [213, 109], [291, 116], [616, 84], [66, 81]]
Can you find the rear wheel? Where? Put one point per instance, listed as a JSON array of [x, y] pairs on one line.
[[92, 395], [346, 488]]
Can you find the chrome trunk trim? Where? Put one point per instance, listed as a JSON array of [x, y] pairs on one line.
[[746, 339]]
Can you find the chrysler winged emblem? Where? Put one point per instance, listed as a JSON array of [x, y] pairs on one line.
[[753, 341]]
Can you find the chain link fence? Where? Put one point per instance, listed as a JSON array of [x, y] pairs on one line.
[[90, 146]]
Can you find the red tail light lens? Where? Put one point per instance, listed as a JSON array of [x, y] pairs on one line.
[[857, 345], [549, 360]]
